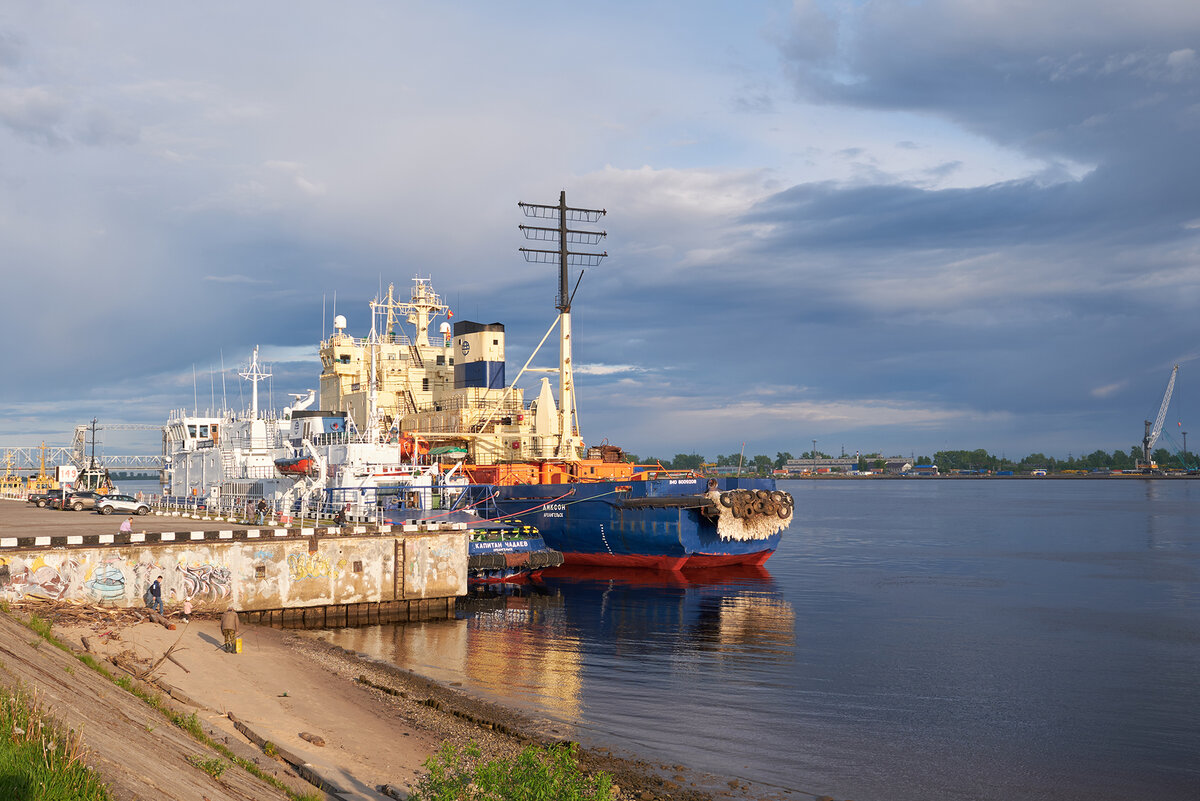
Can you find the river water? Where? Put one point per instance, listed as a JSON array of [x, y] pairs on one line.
[[911, 639]]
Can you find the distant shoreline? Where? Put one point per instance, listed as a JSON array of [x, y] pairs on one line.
[[952, 477]]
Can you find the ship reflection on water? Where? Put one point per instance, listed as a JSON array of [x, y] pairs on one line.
[[593, 647]]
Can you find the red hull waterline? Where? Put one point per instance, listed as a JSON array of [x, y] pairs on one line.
[[516, 578], [671, 563]]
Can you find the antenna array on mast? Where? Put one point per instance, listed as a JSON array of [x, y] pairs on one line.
[[570, 444], [564, 236]]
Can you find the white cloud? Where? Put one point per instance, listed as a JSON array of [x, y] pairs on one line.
[[607, 369], [1109, 389]]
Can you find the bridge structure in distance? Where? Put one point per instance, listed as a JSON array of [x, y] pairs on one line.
[[31, 458]]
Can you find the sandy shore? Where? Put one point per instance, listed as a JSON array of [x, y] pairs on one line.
[[378, 723]]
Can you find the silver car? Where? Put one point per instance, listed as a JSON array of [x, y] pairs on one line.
[[121, 503]]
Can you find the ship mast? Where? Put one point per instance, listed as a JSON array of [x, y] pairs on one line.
[[254, 373], [373, 416], [570, 444], [420, 311]]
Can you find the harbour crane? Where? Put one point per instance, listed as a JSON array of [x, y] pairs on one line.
[[1152, 435]]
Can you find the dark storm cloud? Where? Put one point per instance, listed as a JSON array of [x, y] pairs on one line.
[[1023, 292], [1018, 212], [1072, 80]]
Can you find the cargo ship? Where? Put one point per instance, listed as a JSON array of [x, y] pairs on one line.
[[524, 461]]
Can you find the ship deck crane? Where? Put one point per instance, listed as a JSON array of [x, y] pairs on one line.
[[1152, 435]]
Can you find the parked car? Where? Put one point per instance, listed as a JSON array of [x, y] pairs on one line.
[[42, 499], [78, 501], [121, 503]]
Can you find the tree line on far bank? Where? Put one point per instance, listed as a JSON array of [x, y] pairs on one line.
[[978, 459]]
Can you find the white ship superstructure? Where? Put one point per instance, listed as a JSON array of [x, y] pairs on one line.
[[300, 461], [392, 406], [229, 453]]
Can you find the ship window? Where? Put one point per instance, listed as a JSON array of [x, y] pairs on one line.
[[345, 358], [452, 360], [495, 342], [425, 384], [204, 431], [191, 431], [441, 359]]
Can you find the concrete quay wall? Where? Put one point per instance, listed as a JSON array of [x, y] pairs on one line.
[[278, 576]]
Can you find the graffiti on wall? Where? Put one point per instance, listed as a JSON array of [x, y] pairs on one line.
[[107, 581], [205, 581], [41, 579], [308, 565], [312, 565]]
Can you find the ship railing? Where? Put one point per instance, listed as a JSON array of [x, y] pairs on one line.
[[333, 438], [386, 339], [272, 439], [243, 508], [507, 406], [253, 472]]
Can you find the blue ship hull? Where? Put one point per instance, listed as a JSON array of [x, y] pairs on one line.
[[501, 558], [665, 524]]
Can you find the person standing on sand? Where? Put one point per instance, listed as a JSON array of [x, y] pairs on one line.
[[127, 526], [156, 595], [187, 609], [229, 627]]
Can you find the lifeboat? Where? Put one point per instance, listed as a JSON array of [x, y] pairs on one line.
[[410, 446], [295, 466]]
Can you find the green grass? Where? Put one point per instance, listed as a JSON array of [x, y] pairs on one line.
[[39, 758], [213, 767], [536, 774]]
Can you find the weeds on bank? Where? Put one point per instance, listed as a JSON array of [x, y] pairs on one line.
[[39, 758], [10, 780], [535, 774], [213, 767]]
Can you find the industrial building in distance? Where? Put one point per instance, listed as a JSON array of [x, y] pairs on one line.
[[895, 465]]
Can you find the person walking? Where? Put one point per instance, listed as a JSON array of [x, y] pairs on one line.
[[229, 627], [156, 601]]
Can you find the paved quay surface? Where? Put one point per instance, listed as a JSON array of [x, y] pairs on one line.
[[21, 519]]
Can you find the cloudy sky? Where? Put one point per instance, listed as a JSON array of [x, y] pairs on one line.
[[888, 226]]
